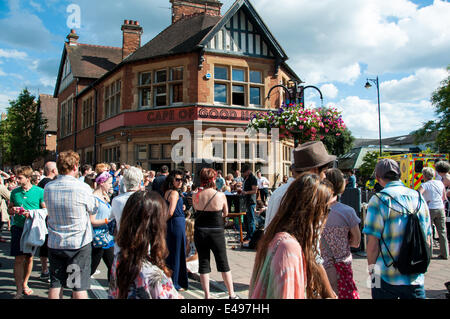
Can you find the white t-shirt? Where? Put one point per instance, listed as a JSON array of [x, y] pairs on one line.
[[433, 191], [275, 200], [117, 206], [263, 182]]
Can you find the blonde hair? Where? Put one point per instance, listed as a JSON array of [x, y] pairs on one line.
[[100, 168], [190, 229]]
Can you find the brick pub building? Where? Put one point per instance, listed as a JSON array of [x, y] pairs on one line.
[[122, 104]]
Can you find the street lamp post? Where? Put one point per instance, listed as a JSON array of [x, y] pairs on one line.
[[368, 86]]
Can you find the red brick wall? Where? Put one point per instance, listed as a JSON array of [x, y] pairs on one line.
[[182, 9], [131, 39]]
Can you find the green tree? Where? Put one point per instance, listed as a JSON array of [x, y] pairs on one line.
[[368, 164], [24, 131], [441, 101], [339, 145]]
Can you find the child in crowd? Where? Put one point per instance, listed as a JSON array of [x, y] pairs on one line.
[[191, 251]]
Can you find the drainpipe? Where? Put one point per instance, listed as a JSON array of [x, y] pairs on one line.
[[95, 126], [75, 102]]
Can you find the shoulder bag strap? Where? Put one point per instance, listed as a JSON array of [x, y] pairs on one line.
[[382, 239]]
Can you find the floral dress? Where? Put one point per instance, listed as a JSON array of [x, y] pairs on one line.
[[151, 283]]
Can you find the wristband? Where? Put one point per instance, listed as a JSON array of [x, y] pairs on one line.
[[106, 221]]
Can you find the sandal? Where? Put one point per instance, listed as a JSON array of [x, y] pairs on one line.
[[27, 291]]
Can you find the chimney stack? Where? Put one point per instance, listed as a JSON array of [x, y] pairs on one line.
[[131, 31], [185, 8], [72, 37]]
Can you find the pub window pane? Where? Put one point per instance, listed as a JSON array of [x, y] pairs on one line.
[[238, 75], [167, 151], [161, 76], [145, 97], [155, 151], [238, 95], [220, 73], [146, 78], [176, 74], [220, 93], [255, 77], [255, 95], [160, 96], [141, 152], [176, 93]]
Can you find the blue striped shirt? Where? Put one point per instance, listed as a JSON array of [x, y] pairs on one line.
[[69, 203], [390, 220]]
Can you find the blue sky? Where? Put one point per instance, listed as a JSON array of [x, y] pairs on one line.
[[332, 44]]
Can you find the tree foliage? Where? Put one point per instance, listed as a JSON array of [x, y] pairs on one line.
[[441, 101], [368, 164], [23, 132], [339, 145]]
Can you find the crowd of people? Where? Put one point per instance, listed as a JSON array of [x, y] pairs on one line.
[[155, 230]]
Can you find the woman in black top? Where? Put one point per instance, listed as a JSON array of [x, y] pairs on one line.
[[211, 208]]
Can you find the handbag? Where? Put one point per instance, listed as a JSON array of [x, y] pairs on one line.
[[100, 238]]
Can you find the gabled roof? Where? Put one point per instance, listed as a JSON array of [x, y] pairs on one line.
[[89, 61], [92, 61], [49, 109], [182, 36], [257, 22]]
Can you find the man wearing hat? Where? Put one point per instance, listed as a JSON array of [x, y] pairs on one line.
[[308, 157], [387, 218]]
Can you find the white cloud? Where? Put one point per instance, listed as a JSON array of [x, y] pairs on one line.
[[329, 91], [2, 73], [36, 6], [331, 39], [5, 98], [361, 116], [418, 86], [12, 54], [48, 81]]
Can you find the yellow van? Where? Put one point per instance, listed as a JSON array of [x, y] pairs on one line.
[[411, 166]]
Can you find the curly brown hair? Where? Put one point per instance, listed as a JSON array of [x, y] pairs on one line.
[[302, 213], [67, 161], [142, 228]]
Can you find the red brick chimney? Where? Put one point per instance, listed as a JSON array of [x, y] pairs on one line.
[[131, 31], [72, 37], [185, 8]]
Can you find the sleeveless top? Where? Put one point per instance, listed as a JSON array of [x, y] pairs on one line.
[[178, 209], [209, 219]]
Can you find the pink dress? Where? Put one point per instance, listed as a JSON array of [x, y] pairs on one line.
[[283, 273]]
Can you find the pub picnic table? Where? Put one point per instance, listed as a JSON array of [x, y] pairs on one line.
[[238, 215]]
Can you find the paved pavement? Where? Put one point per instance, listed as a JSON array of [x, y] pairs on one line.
[[241, 264]]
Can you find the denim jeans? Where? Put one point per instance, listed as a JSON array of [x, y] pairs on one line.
[[388, 291], [250, 221]]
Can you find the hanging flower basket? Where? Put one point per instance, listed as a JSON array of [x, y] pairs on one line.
[[300, 124]]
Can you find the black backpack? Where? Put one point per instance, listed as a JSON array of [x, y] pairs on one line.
[[414, 256]]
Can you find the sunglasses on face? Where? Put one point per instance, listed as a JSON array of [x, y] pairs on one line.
[[178, 179]]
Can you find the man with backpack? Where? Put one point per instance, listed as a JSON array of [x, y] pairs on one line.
[[398, 232]]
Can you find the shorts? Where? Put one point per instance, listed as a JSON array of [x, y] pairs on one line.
[[16, 234], [70, 268], [207, 239], [43, 250]]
